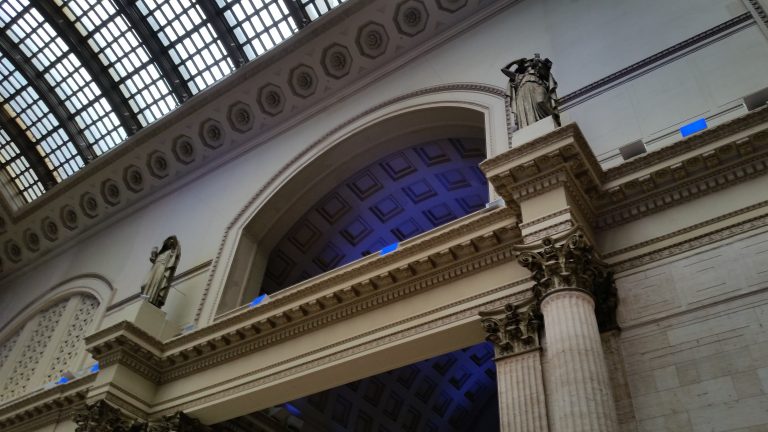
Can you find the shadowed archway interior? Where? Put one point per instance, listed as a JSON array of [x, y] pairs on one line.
[[397, 197], [455, 391]]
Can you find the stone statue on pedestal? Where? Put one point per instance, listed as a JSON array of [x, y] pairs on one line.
[[158, 282], [532, 90]]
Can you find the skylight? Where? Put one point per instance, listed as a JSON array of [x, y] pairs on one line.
[[79, 76], [60, 67], [258, 25], [26, 109], [190, 40], [127, 60]]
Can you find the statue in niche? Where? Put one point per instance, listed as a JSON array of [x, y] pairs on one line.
[[532, 90], [158, 282]]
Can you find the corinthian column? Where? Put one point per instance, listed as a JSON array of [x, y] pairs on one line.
[[515, 335], [567, 282]]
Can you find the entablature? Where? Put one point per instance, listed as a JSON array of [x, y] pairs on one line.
[[468, 245], [704, 163]]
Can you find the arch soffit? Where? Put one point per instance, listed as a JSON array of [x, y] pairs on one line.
[[489, 101], [89, 284]]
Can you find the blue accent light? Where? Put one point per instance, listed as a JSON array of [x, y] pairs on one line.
[[255, 302], [292, 409], [94, 368], [389, 248], [62, 380], [692, 128]]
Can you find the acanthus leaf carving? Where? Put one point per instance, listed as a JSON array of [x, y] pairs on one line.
[[512, 329], [178, 422], [103, 417], [572, 264], [568, 265]]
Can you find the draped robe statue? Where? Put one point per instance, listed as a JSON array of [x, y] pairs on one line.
[[164, 262], [532, 90]]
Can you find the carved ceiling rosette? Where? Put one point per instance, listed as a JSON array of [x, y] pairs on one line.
[[570, 263], [513, 329]]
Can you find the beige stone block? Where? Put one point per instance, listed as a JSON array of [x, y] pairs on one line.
[[628, 427], [678, 422], [759, 352], [658, 404], [642, 383], [763, 374], [148, 318], [625, 411], [636, 351], [749, 384], [678, 400], [727, 363], [688, 373], [666, 378], [744, 413], [708, 393], [762, 321], [531, 132], [711, 328], [645, 296]]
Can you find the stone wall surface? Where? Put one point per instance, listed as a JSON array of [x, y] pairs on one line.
[[695, 340]]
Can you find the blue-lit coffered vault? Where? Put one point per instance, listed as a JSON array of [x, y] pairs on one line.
[[452, 392], [316, 215], [391, 200], [80, 77]]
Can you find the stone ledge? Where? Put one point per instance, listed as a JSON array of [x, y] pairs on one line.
[[713, 160], [465, 247]]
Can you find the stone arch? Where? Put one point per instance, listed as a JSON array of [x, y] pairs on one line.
[[45, 340], [465, 110]]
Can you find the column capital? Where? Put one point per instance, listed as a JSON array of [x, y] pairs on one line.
[[100, 416], [178, 422], [570, 263], [513, 329]]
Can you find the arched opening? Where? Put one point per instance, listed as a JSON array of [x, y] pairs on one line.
[[455, 391], [404, 194], [439, 145], [439, 114]]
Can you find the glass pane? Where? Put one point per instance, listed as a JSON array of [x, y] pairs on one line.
[[65, 74], [121, 51], [256, 23], [182, 26], [24, 106]]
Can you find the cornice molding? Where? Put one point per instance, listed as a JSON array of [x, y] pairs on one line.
[[48, 406], [271, 373], [713, 160], [688, 229], [459, 249], [219, 125], [714, 236], [657, 60], [297, 160], [376, 264], [754, 119]]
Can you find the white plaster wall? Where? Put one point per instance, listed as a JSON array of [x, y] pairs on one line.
[[587, 39]]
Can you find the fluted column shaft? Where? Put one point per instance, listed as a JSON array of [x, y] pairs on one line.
[[522, 405], [580, 398]]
